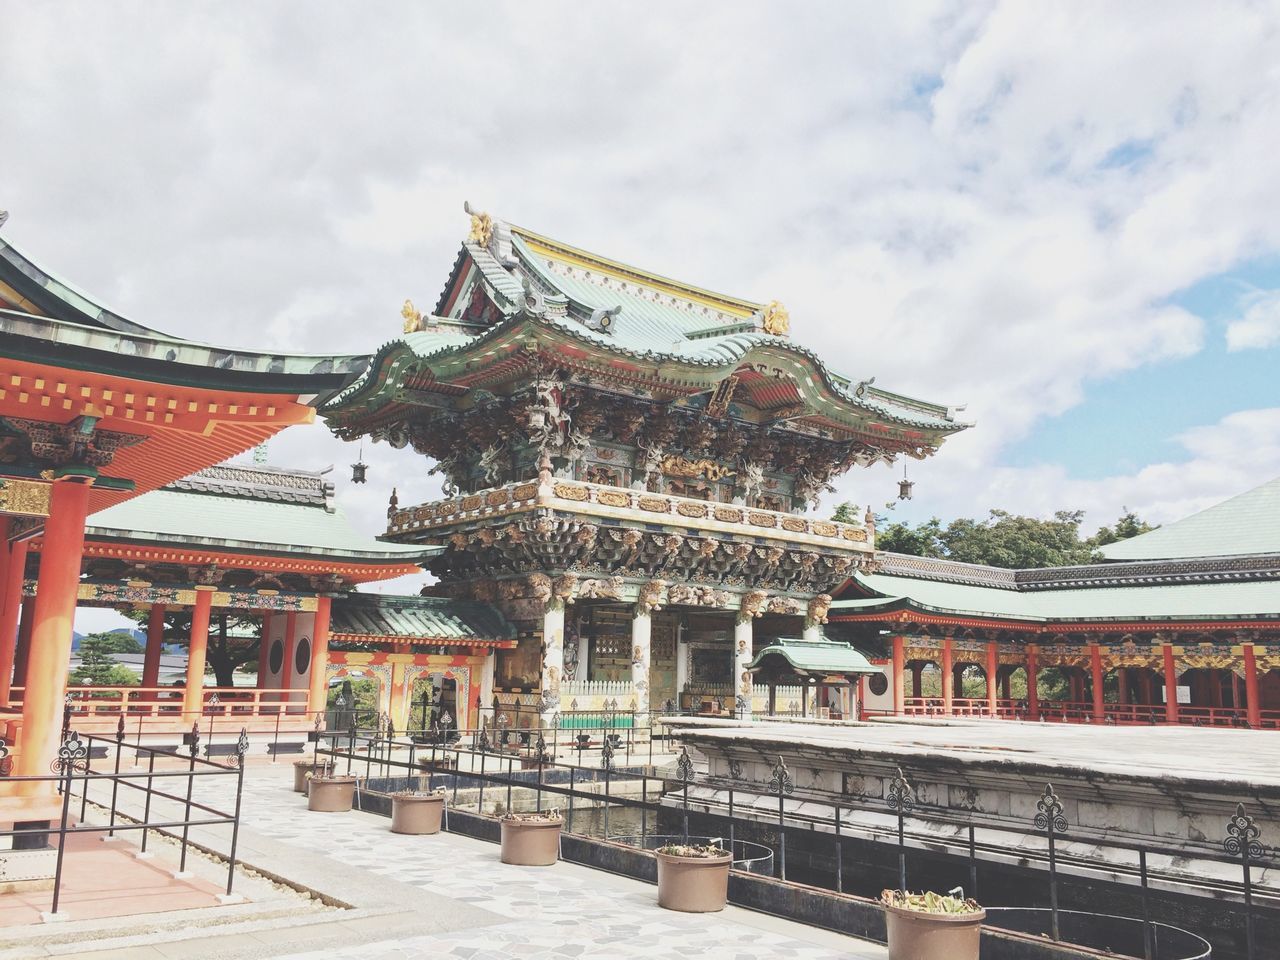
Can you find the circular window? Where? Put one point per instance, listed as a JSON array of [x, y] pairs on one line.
[[275, 658], [302, 656], [878, 684]]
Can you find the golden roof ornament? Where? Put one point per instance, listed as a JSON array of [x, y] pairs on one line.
[[776, 319], [412, 317], [481, 226]]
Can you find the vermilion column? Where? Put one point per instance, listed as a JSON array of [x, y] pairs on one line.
[[320, 656], [57, 590], [264, 649], [1253, 706], [1033, 688], [290, 638], [948, 677], [917, 684], [12, 607], [1122, 685], [197, 654], [1095, 668], [993, 663], [155, 642], [899, 675], [25, 622], [1170, 686]]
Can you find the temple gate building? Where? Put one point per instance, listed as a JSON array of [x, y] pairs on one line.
[[627, 463]]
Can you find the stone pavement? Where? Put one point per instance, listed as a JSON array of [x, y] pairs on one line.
[[468, 905]]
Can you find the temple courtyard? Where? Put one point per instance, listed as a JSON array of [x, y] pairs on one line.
[[343, 885]]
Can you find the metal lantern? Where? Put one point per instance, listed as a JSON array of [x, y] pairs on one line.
[[359, 468], [904, 485]]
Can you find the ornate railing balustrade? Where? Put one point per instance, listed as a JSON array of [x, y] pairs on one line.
[[602, 500]]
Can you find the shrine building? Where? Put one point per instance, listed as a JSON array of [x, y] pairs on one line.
[[627, 466], [1179, 625]]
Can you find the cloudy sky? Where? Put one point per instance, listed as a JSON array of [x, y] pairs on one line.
[[1064, 216]]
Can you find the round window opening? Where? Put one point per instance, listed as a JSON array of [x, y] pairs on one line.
[[302, 656], [275, 659], [878, 684]]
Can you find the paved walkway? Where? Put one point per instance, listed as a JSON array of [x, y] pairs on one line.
[[466, 904]]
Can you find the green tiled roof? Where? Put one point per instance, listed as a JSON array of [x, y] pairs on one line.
[[1258, 599], [420, 619], [1245, 524], [815, 656], [250, 510]]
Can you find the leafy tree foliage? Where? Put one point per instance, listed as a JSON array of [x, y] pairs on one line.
[[97, 666], [225, 653], [1007, 540], [847, 512]]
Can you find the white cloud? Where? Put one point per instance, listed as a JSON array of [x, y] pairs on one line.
[[991, 203], [1259, 325]]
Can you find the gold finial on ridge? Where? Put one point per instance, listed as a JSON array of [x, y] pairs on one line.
[[776, 319], [412, 317], [481, 226]]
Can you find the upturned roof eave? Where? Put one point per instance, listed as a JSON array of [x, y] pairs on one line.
[[395, 354], [390, 554]]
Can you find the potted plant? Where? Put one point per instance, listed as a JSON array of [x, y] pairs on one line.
[[416, 812], [302, 768], [932, 926], [693, 878], [531, 839], [330, 793]]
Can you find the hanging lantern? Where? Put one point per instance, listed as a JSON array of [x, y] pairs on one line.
[[904, 485], [359, 468]]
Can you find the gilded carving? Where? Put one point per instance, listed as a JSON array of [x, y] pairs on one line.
[[526, 491], [649, 597], [562, 588], [692, 595], [728, 515], [784, 605], [496, 498], [481, 226], [855, 534], [571, 491], [825, 529], [25, 496], [752, 605], [412, 317], [762, 519], [613, 498], [539, 587], [819, 606], [473, 502], [691, 509], [655, 505], [601, 589], [776, 320], [794, 524], [674, 465]]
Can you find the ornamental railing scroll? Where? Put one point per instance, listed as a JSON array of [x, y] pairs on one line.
[[1052, 822], [685, 773], [901, 798], [1244, 841], [781, 784]]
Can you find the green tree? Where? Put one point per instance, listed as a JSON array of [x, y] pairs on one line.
[[119, 641], [847, 512], [98, 668], [226, 653], [1007, 540]]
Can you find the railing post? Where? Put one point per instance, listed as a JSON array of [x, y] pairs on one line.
[[71, 754], [1244, 841], [1147, 945], [146, 808], [839, 854], [191, 778], [115, 779], [1049, 818], [242, 748], [684, 770], [901, 800], [782, 784]]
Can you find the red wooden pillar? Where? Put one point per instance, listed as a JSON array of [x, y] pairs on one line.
[[290, 638], [993, 665], [155, 643], [57, 590], [1033, 687], [917, 680], [1253, 706], [320, 657], [25, 622], [1005, 679], [1122, 685], [899, 674], [1095, 669], [12, 607], [1215, 693], [197, 654], [1170, 685], [264, 649], [948, 677]]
